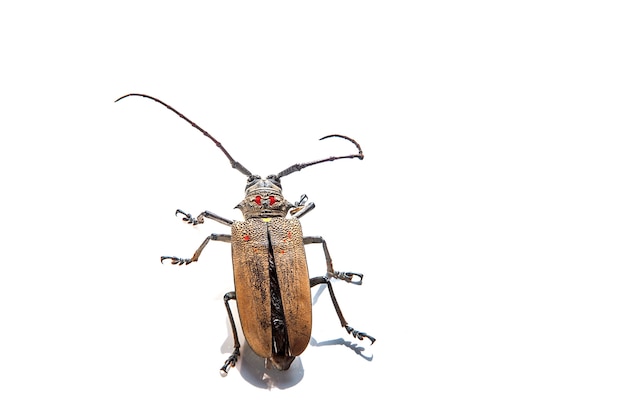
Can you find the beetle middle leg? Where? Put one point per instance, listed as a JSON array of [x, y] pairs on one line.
[[180, 261], [330, 272], [232, 360], [357, 334]]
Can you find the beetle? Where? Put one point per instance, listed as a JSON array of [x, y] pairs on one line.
[[272, 284]]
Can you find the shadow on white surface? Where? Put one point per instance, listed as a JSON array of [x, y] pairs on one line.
[[252, 368], [357, 348]]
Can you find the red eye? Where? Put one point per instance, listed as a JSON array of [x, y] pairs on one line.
[[258, 199], [272, 200]]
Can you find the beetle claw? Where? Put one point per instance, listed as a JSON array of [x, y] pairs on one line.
[[230, 362]]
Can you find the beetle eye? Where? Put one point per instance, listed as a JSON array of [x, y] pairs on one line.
[[272, 200], [257, 199]]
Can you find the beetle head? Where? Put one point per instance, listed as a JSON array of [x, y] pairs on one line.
[[264, 198]]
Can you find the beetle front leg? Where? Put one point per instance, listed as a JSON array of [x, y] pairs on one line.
[[330, 272], [200, 220], [357, 334], [180, 261], [232, 360]]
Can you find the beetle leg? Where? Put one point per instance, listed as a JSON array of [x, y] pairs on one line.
[[330, 272], [180, 261], [232, 360], [200, 220], [357, 334]]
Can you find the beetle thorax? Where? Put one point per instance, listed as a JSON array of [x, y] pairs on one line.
[[264, 198]]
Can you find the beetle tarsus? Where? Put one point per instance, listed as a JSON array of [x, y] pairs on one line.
[[348, 276], [358, 334], [176, 260], [230, 362], [189, 219]]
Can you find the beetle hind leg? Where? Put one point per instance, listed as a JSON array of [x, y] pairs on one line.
[[357, 334], [232, 360]]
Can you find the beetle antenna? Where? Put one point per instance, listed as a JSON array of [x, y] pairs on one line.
[[299, 166], [233, 162]]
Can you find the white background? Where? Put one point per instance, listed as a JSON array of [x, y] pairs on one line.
[[487, 215]]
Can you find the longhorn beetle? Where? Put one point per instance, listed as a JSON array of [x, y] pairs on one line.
[[272, 285]]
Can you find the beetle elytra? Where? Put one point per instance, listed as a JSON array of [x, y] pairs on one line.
[[272, 284]]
